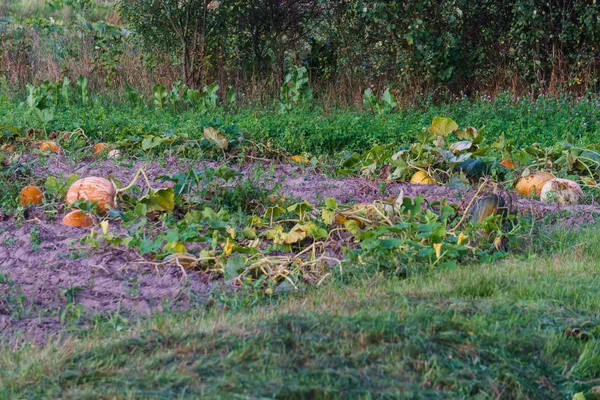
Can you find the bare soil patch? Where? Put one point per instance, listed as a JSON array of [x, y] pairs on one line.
[[49, 262]]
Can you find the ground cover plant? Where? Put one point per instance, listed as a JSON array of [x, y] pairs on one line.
[[294, 227]]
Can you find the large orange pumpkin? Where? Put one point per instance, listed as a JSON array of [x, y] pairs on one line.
[[99, 190], [50, 146], [533, 183], [31, 195], [78, 219]]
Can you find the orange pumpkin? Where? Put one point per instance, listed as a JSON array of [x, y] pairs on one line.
[[533, 183], [78, 219], [7, 147], [50, 146], [31, 195], [510, 164], [99, 147], [99, 190]]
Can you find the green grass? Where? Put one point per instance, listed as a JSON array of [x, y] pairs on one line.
[[546, 121], [489, 331]]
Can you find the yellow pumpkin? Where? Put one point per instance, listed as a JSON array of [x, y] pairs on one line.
[[31, 195], [299, 159], [99, 190], [533, 183], [50, 146], [78, 219], [561, 191], [422, 178]]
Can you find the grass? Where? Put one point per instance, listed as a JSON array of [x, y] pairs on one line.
[[311, 129], [488, 331]]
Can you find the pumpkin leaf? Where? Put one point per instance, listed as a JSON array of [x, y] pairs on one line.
[[442, 126], [235, 265], [159, 200], [219, 139]]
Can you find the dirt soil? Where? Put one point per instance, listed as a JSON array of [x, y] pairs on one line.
[[42, 263]]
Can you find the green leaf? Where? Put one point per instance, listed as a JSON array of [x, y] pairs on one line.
[[579, 396], [442, 126], [140, 209], [159, 200], [235, 265], [331, 204], [274, 212], [52, 186], [300, 208], [151, 142]]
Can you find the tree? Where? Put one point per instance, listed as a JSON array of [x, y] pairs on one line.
[[176, 25]]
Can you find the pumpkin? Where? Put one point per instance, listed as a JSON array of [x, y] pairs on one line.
[[487, 205], [185, 259], [31, 195], [50, 146], [99, 190], [7, 147], [99, 147], [78, 219], [561, 191], [422, 178], [299, 159], [509, 164], [533, 183], [113, 154]]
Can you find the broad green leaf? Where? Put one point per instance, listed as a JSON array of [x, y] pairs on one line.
[[52, 186], [235, 265], [331, 203]]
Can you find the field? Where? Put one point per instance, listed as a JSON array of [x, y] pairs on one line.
[[258, 240]]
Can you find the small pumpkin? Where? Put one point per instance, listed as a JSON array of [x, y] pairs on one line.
[[50, 146], [7, 147], [99, 190], [31, 195], [113, 154], [78, 219], [510, 164], [561, 191], [487, 205], [299, 159], [422, 178], [99, 148], [533, 183]]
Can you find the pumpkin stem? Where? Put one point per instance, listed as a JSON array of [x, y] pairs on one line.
[[135, 179]]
